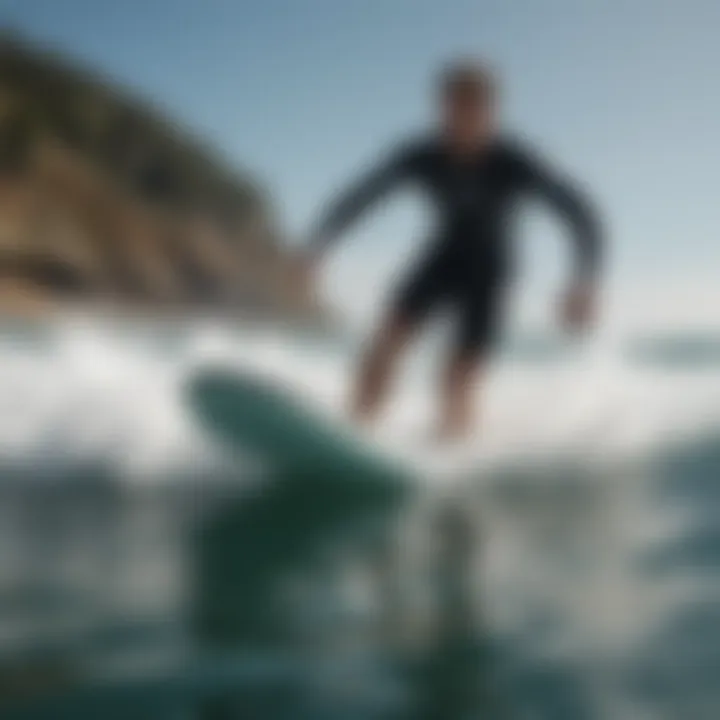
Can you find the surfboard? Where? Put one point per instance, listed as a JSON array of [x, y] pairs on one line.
[[244, 410], [310, 458], [323, 492], [247, 411]]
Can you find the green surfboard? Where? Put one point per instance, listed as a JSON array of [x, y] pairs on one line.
[[253, 414], [325, 491]]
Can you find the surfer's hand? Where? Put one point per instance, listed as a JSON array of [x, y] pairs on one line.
[[577, 309]]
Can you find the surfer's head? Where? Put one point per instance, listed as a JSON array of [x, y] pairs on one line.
[[468, 99]]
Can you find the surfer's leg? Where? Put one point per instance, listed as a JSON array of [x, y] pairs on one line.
[[457, 412], [414, 301], [478, 324], [378, 365]]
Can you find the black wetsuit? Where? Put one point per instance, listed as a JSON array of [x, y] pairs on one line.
[[469, 260]]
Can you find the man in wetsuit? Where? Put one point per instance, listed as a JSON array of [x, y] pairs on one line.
[[472, 176]]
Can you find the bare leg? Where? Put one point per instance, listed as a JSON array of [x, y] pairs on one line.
[[458, 396], [377, 367]]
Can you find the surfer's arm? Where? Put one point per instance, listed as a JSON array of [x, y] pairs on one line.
[[572, 204], [349, 205]]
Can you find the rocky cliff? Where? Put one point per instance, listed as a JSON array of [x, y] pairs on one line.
[[103, 199]]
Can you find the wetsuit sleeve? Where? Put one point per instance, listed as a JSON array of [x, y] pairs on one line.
[[349, 205], [567, 199]]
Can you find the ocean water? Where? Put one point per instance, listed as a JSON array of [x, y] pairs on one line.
[[592, 486]]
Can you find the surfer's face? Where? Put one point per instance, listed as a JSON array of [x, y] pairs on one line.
[[468, 116]]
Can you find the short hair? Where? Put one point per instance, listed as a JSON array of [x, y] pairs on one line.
[[469, 76]]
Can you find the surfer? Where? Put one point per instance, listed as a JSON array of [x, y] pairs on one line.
[[472, 174]]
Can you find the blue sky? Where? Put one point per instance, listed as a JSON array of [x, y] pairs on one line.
[[623, 93]]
